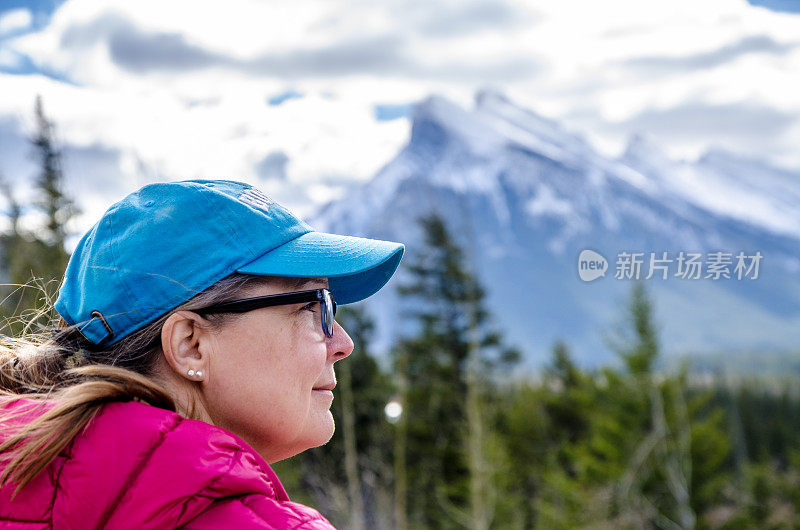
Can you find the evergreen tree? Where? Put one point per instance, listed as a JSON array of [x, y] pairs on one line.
[[541, 425], [35, 260], [450, 366], [15, 251], [562, 368], [662, 449], [371, 388], [57, 207]]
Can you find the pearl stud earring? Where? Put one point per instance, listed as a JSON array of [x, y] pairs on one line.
[[199, 373]]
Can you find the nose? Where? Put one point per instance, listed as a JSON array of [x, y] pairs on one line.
[[340, 345]]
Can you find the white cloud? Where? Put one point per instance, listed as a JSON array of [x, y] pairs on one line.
[[568, 59], [15, 20], [325, 138]]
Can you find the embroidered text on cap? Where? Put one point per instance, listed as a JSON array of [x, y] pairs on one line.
[[256, 199]]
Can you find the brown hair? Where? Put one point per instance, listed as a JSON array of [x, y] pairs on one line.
[[63, 369]]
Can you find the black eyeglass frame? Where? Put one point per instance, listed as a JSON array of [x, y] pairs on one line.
[[323, 296]]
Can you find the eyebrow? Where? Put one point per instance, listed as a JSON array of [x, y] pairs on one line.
[[298, 283]]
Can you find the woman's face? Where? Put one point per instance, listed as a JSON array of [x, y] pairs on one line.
[[265, 372]]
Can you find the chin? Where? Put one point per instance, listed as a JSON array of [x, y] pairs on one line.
[[319, 434], [323, 433], [325, 437]]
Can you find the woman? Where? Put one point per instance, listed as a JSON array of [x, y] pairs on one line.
[[196, 346]]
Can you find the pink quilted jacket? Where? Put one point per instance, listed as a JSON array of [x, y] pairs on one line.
[[137, 466]]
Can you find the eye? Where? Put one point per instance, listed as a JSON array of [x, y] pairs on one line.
[[309, 306]]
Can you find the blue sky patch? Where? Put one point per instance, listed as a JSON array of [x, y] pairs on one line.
[[41, 13], [392, 111], [283, 97], [41, 10], [786, 6]]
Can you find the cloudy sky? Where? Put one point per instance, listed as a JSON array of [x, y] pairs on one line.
[[307, 97]]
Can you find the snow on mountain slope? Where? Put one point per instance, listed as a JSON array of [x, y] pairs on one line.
[[726, 184]]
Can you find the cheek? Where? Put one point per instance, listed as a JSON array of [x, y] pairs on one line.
[[244, 378], [261, 384]]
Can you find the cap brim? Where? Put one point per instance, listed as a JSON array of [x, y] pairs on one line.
[[356, 267]]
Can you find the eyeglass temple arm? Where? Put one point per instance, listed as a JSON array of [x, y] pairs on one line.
[[249, 304]]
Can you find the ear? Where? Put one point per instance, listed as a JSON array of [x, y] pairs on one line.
[[182, 338]]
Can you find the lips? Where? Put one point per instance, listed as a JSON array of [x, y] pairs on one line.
[[325, 387]]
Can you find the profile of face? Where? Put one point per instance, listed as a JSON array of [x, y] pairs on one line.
[[265, 371]]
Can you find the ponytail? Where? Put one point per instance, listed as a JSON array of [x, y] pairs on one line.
[[30, 449], [73, 380]]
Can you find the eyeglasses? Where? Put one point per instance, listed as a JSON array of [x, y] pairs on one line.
[[323, 296]]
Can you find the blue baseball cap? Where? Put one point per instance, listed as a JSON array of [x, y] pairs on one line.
[[167, 242]]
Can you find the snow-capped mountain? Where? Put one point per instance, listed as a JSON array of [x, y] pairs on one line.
[[524, 197]]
